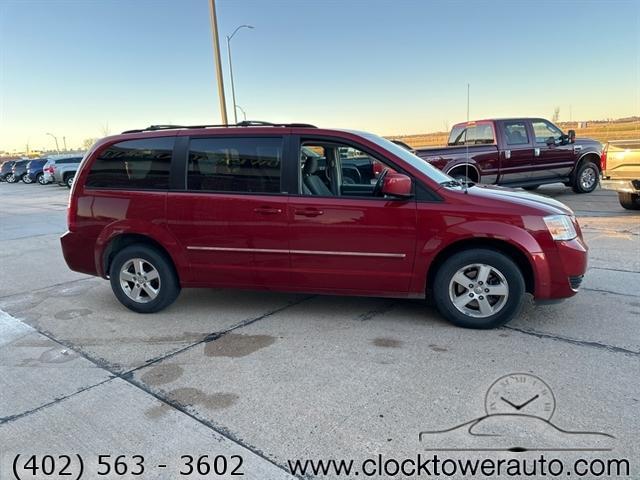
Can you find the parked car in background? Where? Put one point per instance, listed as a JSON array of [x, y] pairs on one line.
[[621, 171], [518, 152], [35, 171], [64, 169], [19, 170], [159, 209], [6, 171]]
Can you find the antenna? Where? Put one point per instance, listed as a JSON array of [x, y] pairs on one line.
[[466, 143]]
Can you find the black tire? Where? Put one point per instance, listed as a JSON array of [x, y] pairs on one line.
[[591, 172], [531, 188], [499, 263], [168, 285], [26, 179], [40, 179], [630, 201], [68, 180], [11, 178]]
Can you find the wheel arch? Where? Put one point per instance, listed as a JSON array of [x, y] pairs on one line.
[[123, 240], [502, 246], [474, 172], [593, 156]]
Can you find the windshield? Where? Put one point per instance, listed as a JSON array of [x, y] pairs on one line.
[[416, 162]]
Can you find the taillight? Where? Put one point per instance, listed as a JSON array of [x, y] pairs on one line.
[[603, 158], [72, 212]]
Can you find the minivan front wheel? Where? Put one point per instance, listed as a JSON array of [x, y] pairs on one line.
[[479, 288], [143, 279]]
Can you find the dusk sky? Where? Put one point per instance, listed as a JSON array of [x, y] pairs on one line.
[[391, 67]]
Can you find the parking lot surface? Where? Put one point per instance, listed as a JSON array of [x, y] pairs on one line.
[[273, 377]]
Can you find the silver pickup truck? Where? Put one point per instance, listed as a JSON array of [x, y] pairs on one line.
[[621, 171]]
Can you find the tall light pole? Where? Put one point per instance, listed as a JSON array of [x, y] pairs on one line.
[[216, 56], [233, 89], [56, 139], [64, 142], [244, 114]]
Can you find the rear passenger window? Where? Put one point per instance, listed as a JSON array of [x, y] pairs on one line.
[[472, 134], [136, 164], [240, 164], [516, 133]]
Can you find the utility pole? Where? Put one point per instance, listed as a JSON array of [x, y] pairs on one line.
[[64, 142], [216, 56], [233, 88], [56, 139]]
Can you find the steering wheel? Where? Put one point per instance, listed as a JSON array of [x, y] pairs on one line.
[[377, 189]]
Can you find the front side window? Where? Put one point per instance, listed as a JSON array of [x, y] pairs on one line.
[[334, 169], [136, 164], [546, 132], [516, 133], [235, 164]]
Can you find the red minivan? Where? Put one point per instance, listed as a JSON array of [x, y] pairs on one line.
[[292, 207]]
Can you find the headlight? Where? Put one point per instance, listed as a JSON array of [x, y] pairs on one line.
[[560, 227]]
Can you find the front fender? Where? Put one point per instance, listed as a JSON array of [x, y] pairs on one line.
[[156, 232], [468, 233]]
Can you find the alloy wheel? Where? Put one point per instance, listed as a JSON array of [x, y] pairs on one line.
[[139, 280], [478, 290], [588, 178]]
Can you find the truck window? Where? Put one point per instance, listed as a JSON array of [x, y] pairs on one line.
[[544, 130], [516, 133], [478, 134]]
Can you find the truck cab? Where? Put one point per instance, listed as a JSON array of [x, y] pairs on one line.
[[518, 152]]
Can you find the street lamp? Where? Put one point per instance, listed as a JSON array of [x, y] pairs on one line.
[[56, 139], [244, 114], [233, 90]]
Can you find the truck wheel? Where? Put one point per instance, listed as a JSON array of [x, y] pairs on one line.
[[143, 279], [479, 288], [630, 201], [586, 178]]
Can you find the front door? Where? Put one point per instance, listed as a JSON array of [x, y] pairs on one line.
[[231, 220], [554, 156], [344, 235], [517, 153]]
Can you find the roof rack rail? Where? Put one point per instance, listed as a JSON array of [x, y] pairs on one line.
[[245, 123]]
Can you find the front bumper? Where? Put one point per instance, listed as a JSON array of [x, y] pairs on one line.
[[628, 186], [566, 266]]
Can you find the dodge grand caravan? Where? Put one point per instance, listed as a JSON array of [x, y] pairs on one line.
[[295, 208]]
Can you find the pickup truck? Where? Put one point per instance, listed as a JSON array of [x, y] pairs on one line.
[[621, 171], [518, 152]]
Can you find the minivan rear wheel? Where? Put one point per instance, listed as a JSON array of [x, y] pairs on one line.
[[479, 288], [69, 181], [143, 279]]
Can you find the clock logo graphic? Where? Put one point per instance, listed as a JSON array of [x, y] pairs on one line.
[[520, 393], [517, 418]]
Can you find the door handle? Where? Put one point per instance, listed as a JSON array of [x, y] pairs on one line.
[[507, 154], [536, 152], [267, 210], [309, 212]]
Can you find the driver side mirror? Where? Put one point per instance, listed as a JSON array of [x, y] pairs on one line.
[[572, 136], [397, 185]]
